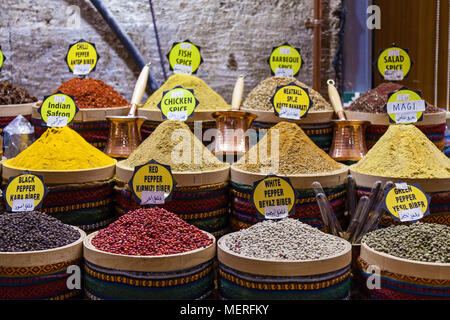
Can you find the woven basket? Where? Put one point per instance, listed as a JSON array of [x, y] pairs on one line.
[[40, 274], [91, 124], [433, 126], [187, 275], [244, 214], [402, 279], [437, 189], [82, 198], [242, 278]]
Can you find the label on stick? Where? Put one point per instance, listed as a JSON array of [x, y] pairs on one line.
[[405, 106], [291, 101], [273, 197], [394, 63], [58, 110], [2, 58], [152, 183], [25, 192], [285, 61], [82, 57], [178, 104], [406, 202], [184, 57]]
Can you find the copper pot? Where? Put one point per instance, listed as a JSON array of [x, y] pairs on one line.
[[349, 142]]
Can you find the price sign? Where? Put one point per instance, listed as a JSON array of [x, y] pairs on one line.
[[285, 61], [152, 183], [273, 197], [405, 106], [184, 57], [25, 192], [58, 110], [394, 63], [2, 58], [82, 58], [406, 202], [291, 101], [178, 104]]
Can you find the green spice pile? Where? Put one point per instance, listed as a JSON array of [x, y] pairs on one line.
[[12, 94], [287, 239], [173, 143], [259, 98], [287, 150], [33, 231], [427, 242], [373, 101], [150, 232]]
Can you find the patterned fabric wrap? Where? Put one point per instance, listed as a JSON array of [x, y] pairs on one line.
[[206, 207], [89, 206], [321, 134], [447, 143], [243, 213], [436, 133], [149, 126], [237, 285], [192, 283], [394, 286], [38, 282], [4, 121], [439, 209], [95, 132]]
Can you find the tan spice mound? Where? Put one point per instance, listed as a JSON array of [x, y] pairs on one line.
[[297, 153], [404, 152], [208, 99], [259, 98], [173, 143]]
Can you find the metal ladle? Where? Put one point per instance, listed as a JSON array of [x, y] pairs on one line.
[[125, 131]]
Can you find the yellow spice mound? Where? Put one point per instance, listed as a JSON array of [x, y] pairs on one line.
[[173, 143], [287, 150], [208, 99], [404, 152], [60, 149]]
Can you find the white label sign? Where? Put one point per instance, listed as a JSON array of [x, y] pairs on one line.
[[393, 75], [56, 121], [276, 212], [289, 113], [410, 214], [181, 68], [177, 115], [21, 205], [81, 69], [284, 72], [152, 197]]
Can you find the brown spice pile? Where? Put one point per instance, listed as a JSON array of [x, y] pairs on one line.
[[373, 101], [259, 98], [297, 154], [173, 143], [92, 93], [12, 94]]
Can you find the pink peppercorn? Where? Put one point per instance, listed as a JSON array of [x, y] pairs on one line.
[[150, 232]]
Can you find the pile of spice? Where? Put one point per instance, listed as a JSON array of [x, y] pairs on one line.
[[150, 232], [373, 101], [92, 93], [259, 98], [287, 239], [60, 149], [404, 152], [287, 150], [33, 231], [427, 242], [173, 143], [208, 99], [12, 94]]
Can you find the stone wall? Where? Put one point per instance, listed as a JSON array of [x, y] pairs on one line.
[[236, 37]]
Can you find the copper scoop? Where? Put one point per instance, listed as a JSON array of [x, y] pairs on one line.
[[125, 131], [232, 137], [349, 142]]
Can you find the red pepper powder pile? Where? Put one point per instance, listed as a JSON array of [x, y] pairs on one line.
[[92, 93], [150, 232]]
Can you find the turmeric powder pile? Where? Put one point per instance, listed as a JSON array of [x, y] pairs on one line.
[[208, 99], [60, 149], [287, 150], [404, 152]]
